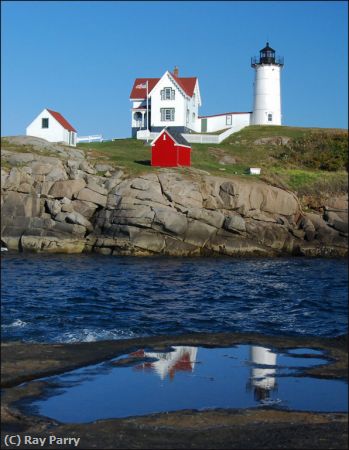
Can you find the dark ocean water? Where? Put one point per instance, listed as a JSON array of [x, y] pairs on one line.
[[69, 298]]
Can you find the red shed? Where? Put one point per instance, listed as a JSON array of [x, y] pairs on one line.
[[170, 149]]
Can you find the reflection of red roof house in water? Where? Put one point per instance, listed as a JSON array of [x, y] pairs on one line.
[[184, 364], [182, 359]]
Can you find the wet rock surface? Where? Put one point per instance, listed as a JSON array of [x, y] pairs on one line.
[[222, 428], [48, 199]]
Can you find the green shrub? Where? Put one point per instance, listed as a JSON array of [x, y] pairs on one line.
[[324, 151]]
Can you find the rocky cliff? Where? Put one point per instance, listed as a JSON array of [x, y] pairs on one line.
[[54, 200]]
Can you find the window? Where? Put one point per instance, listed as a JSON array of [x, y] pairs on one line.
[[44, 123], [228, 120], [187, 117], [167, 94], [167, 114], [193, 116], [270, 117]]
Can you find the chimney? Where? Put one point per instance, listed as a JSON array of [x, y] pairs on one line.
[[175, 71]]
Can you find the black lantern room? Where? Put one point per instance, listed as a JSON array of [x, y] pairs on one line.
[[267, 56]]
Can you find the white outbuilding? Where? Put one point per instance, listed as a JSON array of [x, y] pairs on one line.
[[53, 127]]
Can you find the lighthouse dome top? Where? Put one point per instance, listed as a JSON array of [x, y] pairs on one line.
[[267, 56], [267, 48]]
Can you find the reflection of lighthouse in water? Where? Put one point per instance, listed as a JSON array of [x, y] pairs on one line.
[[181, 359], [263, 378]]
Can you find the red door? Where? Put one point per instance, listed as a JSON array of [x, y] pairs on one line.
[[184, 156]]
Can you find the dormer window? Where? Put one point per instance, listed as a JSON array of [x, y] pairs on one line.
[[167, 94]]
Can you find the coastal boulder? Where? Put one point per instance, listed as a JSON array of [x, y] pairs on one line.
[[56, 174], [308, 227], [244, 196], [87, 209], [21, 205], [86, 167], [103, 167], [79, 219], [67, 188], [94, 186], [52, 244], [198, 233], [130, 214], [39, 168], [17, 159], [170, 220], [13, 180], [114, 180], [4, 175], [92, 196], [335, 221], [149, 240], [235, 223], [214, 218], [179, 190], [53, 206]]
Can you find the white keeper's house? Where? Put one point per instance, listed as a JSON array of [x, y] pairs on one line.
[[174, 101], [53, 127]]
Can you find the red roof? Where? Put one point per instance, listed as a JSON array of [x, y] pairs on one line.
[[141, 93], [187, 84], [139, 108], [61, 120]]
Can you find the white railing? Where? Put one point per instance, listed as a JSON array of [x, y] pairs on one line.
[[146, 134], [227, 133], [92, 138], [210, 138], [195, 138], [201, 138]]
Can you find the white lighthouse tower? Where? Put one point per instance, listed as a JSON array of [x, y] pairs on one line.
[[267, 92]]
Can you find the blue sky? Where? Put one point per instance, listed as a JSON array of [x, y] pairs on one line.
[[81, 58]]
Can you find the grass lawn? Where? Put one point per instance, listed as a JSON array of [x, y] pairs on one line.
[[134, 157]]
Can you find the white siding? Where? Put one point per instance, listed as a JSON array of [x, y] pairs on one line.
[[193, 107], [238, 121], [267, 96], [54, 133], [179, 103]]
